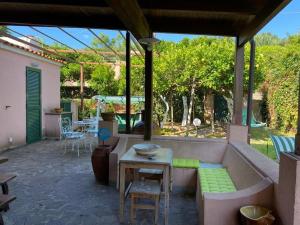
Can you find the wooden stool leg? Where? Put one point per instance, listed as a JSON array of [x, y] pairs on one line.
[[5, 191], [132, 211], [4, 188], [1, 220], [156, 210]]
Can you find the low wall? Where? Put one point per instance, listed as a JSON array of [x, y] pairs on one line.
[[267, 168], [223, 208], [205, 149]]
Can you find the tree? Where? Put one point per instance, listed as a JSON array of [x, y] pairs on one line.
[[267, 39], [102, 80]]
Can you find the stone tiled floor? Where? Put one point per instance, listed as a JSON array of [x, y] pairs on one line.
[[57, 189]]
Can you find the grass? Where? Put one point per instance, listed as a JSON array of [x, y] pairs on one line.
[[261, 141], [260, 137]]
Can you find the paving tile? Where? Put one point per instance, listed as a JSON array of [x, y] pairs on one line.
[[57, 189]]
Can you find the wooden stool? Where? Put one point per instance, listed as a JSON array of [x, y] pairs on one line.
[[4, 201], [155, 174], [144, 190], [151, 174], [4, 178]]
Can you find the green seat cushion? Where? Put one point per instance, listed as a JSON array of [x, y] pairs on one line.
[[210, 165], [185, 163], [215, 180]]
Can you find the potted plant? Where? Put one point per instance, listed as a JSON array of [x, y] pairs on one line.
[[109, 114]]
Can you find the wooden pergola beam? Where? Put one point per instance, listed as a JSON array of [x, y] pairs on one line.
[[148, 94], [128, 76], [238, 84], [266, 14], [131, 15], [250, 86]]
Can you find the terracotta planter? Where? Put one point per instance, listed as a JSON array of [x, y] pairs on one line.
[[100, 163], [108, 116]]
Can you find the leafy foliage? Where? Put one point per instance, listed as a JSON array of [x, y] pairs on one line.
[[206, 65], [282, 83]]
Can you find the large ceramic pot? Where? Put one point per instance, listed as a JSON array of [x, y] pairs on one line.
[[100, 162], [108, 116]]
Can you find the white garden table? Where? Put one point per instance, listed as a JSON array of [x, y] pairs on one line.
[[162, 161]]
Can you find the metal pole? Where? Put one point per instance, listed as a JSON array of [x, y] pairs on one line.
[[128, 94], [250, 85], [81, 87], [148, 94], [297, 139], [238, 85]]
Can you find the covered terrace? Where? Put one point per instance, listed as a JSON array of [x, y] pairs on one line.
[[258, 180]]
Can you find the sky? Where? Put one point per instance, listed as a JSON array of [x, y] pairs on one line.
[[287, 22]]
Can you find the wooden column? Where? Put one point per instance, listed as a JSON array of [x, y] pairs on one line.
[[250, 86], [148, 94], [297, 141], [128, 94], [81, 87], [238, 85]]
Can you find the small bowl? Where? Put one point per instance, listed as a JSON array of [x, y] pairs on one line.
[[58, 110], [146, 150]]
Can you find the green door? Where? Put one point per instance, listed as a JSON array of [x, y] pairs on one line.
[[33, 105]]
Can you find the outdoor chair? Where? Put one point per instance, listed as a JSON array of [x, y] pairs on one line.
[[70, 136], [91, 139], [283, 144]]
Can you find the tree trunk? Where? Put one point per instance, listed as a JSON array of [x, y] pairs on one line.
[[191, 102], [185, 111], [172, 112], [165, 116], [209, 109], [212, 118]]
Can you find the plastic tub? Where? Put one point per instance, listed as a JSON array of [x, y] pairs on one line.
[[256, 215]]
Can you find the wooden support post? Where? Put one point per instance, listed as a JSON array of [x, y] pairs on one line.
[[238, 85], [250, 86], [128, 94], [81, 87], [148, 94], [297, 139]]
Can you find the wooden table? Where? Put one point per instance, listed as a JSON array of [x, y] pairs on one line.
[[162, 161]]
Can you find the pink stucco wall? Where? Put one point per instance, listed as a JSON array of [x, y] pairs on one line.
[[13, 92]]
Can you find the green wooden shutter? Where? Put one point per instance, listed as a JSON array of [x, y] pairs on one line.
[[66, 105], [33, 105]]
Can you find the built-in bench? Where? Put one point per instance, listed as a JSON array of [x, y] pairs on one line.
[[225, 190], [218, 204]]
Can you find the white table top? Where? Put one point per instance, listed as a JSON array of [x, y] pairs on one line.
[[164, 156], [80, 122]]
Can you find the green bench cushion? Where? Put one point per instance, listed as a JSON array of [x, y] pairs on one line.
[[215, 180], [185, 163]]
